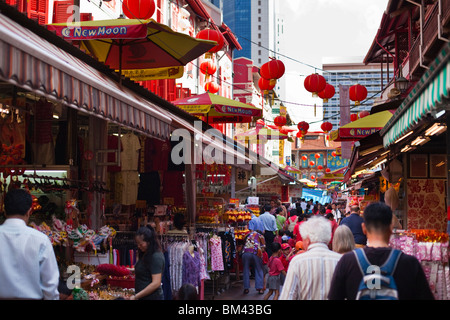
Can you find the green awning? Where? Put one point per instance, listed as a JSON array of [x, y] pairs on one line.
[[427, 97]]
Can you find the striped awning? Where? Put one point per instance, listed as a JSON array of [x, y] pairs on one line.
[[33, 63], [426, 98]]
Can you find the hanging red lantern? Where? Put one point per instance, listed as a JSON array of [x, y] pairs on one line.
[[212, 87], [300, 135], [317, 155], [327, 93], [212, 35], [326, 126], [363, 114], [280, 121], [333, 154], [272, 70], [138, 9], [315, 83], [353, 117], [303, 126], [313, 178], [357, 93], [304, 158], [312, 163], [208, 67], [327, 170], [319, 167], [265, 85]]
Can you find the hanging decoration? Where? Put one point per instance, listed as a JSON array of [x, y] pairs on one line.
[[363, 114], [327, 170], [208, 68], [138, 9], [212, 35], [303, 127], [313, 178], [280, 121], [333, 153], [327, 93], [265, 86], [317, 155], [272, 70], [312, 163], [315, 83], [319, 167], [353, 117], [304, 158], [212, 87], [357, 93]]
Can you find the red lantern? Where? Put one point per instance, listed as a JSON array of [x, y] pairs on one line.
[[300, 135], [138, 9], [212, 35], [327, 170], [313, 178], [303, 126], [212, 87], [304, 158], [312, 163], [353, 117], [333, 154], [280, 121], [208, 67], [363, 114], [265, 85], [315, 83], [272, 70], [326, 126], [357, 93], [317, 155], [319, 167], [327, 93]]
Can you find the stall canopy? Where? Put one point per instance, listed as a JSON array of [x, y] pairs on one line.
[[218, 109], [361, 128], [35, 64], [426, 98], [134, 46]]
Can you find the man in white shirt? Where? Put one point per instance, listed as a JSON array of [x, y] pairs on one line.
[[28, 267], [310, 273], [303, 205], [270, 227]]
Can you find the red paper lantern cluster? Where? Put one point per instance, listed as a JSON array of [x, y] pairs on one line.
[[327, 93], [357, 93], [138, 9], [326, 126], [272, 70], [212, 35], [280, 121], [212, 87], [315, 83]]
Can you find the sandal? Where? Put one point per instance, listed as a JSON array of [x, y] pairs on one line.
[[246, 291]]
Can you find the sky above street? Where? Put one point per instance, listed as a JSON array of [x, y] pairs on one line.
[[315, 29]]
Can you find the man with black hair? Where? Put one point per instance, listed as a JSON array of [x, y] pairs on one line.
[[408, 274], [354, 222], [28, 268], [270, 227]]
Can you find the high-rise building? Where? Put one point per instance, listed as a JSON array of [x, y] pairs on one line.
[[350, 71]]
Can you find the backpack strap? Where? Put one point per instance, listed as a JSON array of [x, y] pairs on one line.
[[388, 268], [361, 258]]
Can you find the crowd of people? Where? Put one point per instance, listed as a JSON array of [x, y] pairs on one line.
[[310, 251]]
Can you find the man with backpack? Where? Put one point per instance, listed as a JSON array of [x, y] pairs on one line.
[[378, 272]]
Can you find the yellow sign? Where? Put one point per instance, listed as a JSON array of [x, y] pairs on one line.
[[195, 108], [154, 74]]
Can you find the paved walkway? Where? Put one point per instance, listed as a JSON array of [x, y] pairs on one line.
[[236, 292]]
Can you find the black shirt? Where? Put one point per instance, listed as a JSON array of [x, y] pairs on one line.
[[409, 276], [144, 269]]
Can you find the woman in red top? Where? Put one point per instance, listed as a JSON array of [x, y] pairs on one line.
[[334, 225], [276, 268]]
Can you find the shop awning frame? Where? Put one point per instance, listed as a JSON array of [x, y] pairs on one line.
[[29, 61], [430, 95]]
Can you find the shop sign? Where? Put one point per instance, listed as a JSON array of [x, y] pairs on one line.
[[154, 74], [198, 109], [102, 32], [234, 201], [253, 200]]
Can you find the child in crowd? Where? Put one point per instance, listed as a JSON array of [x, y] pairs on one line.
[[276, 268], [265, 260]]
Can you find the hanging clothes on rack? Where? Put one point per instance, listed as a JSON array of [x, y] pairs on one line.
[[216, 253], [191, 267]]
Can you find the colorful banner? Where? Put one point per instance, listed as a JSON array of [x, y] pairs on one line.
[[238, 110], [136, 31]]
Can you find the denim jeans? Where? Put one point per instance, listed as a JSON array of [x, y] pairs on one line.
[[249, 259]]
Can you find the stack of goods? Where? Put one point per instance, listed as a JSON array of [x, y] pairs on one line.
[[254, 208], [237, 215], [241, 232], [117, 276], [208, 216], [83, 238]]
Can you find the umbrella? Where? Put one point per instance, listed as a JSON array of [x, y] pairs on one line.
[[362, 127], [133, 44], [218, 109]]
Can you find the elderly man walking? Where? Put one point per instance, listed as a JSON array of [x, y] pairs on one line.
[[310, 273]]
